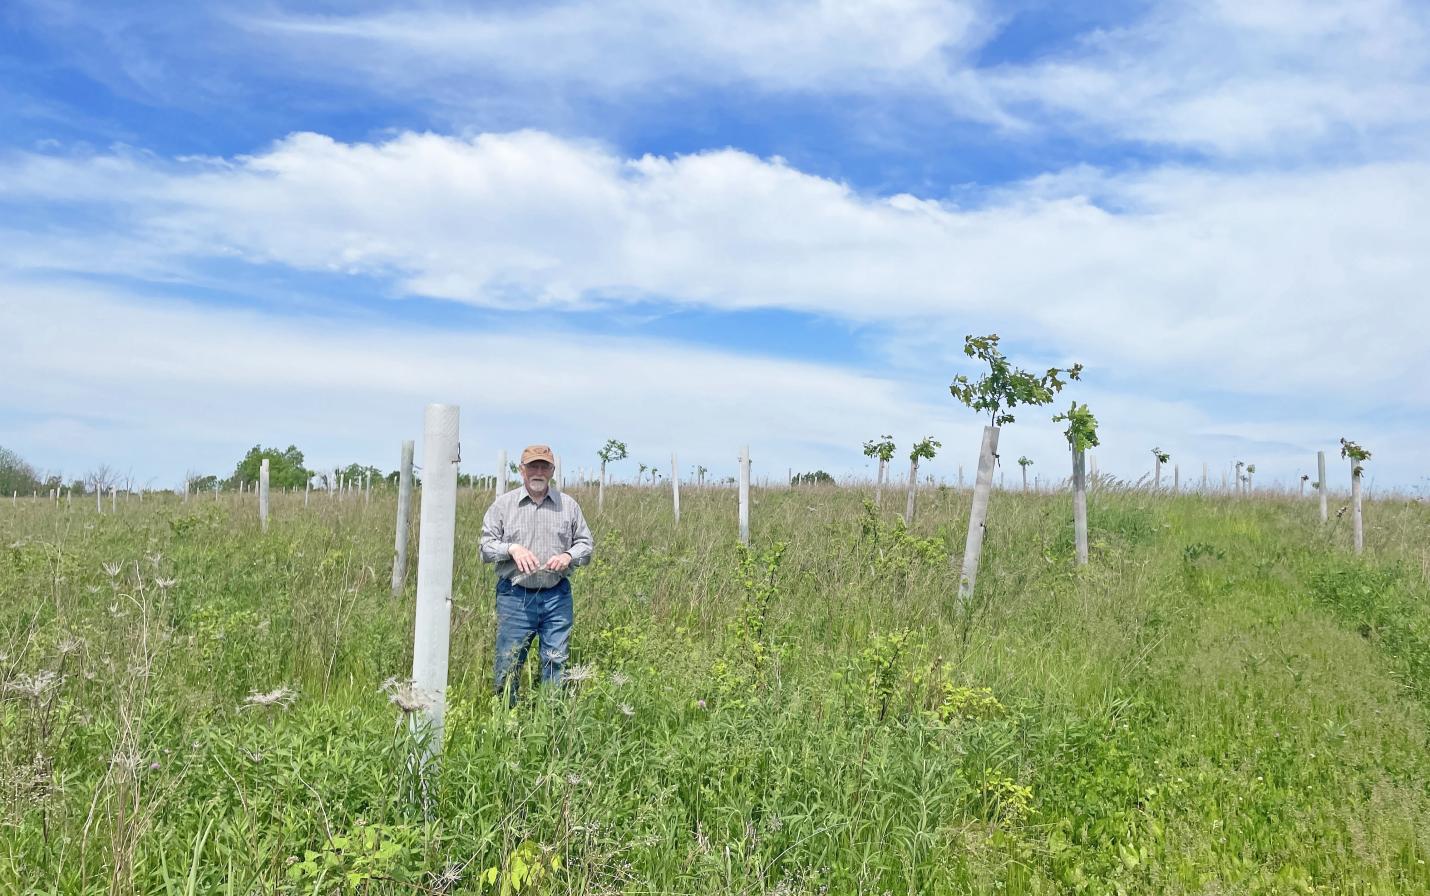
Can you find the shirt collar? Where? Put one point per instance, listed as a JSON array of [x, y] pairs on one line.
[[551, 495]]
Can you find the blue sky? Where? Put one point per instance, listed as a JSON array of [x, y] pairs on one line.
[[698, 225]]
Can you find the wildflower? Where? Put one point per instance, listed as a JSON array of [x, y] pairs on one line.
[[113, 569], [406, 695], [626, 709], [448, 878], [126, 760], [281, 696], [620, 679], [574, 779], [69, 644], [700, 704], [154, 558], [164, 584], [579, 673], [153, 766], [33, 686]]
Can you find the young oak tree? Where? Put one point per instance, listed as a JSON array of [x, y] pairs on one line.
[[883, 448], [1159, 457], [1082, 435], [1356, 454], [924, 449], [997, 392], [613, 451], [1025, 462]]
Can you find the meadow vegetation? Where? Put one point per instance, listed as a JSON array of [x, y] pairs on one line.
[[1225, 700]]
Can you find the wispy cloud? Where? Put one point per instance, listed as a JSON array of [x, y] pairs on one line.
[[157, 387], [1285, 78], [1255, 282]]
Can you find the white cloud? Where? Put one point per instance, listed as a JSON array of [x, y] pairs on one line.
[[1285, 78], [154, 388], [644, 44], [1254, 282]]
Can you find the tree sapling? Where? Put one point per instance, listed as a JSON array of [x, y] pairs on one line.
[[883, 448], [1082, 435], [999, 390]]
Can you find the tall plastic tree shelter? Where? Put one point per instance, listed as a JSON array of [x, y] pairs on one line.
[[263, 495], [744, 511], [675, 487], [1321, 481], [404, 519], [432, 631], [501, 472]]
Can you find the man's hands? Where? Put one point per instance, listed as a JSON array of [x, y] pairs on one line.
[[526, 561]]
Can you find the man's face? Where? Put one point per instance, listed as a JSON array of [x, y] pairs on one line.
[[537, 475]]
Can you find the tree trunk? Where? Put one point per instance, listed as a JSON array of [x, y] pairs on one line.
[[978, 514]]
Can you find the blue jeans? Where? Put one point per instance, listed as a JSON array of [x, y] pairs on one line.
[[523, 613]]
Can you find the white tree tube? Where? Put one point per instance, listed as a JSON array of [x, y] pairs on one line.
[[1356, 523], [675, 487], [404, 516], [436, 539], [1176, 479], [114, 499], [978, 514], [601, 490], [307, 489], [1321, 481], [501, 472], [1080, 506], [879, 483], [913, 489], [744, 512], [263, 495], [1157, 474]]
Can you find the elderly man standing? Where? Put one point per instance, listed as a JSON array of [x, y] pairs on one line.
[[536, 536]]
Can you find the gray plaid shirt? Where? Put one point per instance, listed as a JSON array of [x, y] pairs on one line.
[[552, 527]]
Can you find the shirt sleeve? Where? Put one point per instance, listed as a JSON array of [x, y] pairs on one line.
[[582, 544], [494, 546]]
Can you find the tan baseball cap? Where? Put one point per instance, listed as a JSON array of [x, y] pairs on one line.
[[537, 452]]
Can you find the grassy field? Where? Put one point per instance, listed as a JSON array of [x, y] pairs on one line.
[[1225, 701]]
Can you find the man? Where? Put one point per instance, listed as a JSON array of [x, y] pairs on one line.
[[536, 536]]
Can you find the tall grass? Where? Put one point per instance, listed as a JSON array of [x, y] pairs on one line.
[[1224, 701]]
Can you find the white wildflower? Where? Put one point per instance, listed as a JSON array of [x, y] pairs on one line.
[[620, 679], [113, 569], [33, 686], [164, 584], [626, 709], [406, 695], [69, 644], [578, 673], [448, 877], [281, 696]]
